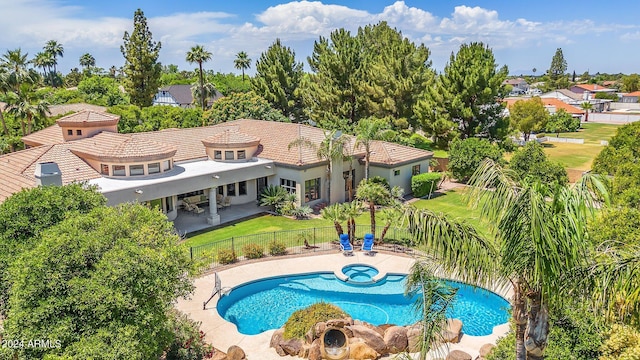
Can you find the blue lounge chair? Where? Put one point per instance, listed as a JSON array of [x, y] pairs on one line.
[[345, 245], [367, 244]]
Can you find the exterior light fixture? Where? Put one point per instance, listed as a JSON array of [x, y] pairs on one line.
[[216, 177], [267, 166], [138, 191]]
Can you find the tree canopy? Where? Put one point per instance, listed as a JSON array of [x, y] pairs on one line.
[[467, 98], [466, 155], [247, 105], [104, 282], [528, 115], [530, 162], [141, 67]]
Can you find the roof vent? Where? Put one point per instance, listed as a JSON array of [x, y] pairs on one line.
[[48, 173]]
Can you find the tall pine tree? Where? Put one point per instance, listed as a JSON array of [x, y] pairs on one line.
[[467, 97], [141, 67], [277, 79]]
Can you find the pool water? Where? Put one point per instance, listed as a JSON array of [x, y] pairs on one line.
[[359, 273], [266, 304]]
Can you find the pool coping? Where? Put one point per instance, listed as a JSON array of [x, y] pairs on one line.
[[223, 334]]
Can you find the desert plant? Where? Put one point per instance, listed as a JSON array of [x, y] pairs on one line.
[[253, 251], [277, 248], [273, 196], [302, 320], [226, 256]]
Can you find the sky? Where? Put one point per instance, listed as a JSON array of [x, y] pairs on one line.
[[594, 36]]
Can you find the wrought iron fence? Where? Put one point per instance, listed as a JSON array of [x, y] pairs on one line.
[[291, 242]]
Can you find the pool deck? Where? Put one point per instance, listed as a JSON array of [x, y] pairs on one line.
[[223, 334]]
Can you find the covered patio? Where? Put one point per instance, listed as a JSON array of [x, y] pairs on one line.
[[187, 221]]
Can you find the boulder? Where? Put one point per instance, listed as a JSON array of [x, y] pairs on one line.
[[458, 355], [414, 337], [384, 327], [370, 326], [395, 337], [315, 332], [370, 337], [292, 346], [360, 351], [485, 350], [314, 350], [236, 353], [451, 332], [276, 339], [339, 323]]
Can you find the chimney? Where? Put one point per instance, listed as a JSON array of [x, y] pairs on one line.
[[48, 173]]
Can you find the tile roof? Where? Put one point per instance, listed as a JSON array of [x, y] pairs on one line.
[[570, 94], [88, 118], [47, 136], [635, 93], [110, 146], [592, 87], [17, 169], [77, 107], [231, 137], [558, 104]]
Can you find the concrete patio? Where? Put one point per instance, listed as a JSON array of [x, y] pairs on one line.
[[187, 221], [222, 334]]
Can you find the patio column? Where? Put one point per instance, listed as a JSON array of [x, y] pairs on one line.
[[214, 217]]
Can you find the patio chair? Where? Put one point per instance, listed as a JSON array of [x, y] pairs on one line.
[[345, 245], [197, 209], [367, 245], [219, 199], [227, 202]]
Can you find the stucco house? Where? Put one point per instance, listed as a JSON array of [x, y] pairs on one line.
[[178, 95], [632, 97], [519, 86], [233, 160]]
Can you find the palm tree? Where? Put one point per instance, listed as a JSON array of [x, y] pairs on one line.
[[368, 130], [540, 236], [389, 216], [331, 149], [374, 194], [273, 196], [336, 214], [55, 49], [21, 105], [242, 62], [15, 63], [586, 106], [205, 92], [4, 88], [87, 60], [352, 210], [43, 60], [199, 55]]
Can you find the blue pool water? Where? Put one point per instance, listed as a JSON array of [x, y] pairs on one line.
[[359, 273], [266, 304]]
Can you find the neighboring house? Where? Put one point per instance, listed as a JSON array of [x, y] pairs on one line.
[[631, 97], [552, 105], [588, 91], [178, 95], [234, 160], [575, 99], [519, 86]]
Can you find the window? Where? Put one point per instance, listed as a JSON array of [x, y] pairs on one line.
[[69, 132], [288, 185], [242, 154], [396, 172], [78, 132], [415, 170], [169, 201], [166, 165], [104, 169], [312, 190], [135, 170], [119, 170], [154, 168], [220, 190], [228, 155], [242, 188], [217, 155], [231, 189]]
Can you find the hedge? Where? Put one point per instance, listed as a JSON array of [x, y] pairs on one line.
[[424, 184]]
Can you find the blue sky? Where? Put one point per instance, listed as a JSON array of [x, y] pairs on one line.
[[594, 36]]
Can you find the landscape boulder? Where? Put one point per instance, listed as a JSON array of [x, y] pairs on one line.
[[314, 350], [370, 337], [414, 337], [276, 339], [291, 346], [451, 332], [235, 353], [458, 355], [395, 337], [361, 351], [484, 351]]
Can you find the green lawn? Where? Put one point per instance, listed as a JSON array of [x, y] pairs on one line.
[[592, 133], [451, 204], [572, 156]]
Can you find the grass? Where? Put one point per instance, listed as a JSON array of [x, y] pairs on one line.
[[572, 156], [592, 133]]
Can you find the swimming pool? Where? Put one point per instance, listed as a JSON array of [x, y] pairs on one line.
[[266, 304]]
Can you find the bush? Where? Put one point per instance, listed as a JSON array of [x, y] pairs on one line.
[[188, 340], [623, 343], [531, 162], [379, 180], [253, 251], [466, 155], [277, 248], [226, 256], [424, 184], [302, 320], [301, 212]]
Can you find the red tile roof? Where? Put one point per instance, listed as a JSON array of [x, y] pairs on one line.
[[635, 93], [88, 118], [591, 87], [231, 137], [116, 147], [558, 104]]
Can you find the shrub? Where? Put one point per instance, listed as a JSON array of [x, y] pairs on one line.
[[253, 251], [188, 340], [466, 155], [531, 162], [623, 343], [301, 212], [226, 256], [277, 248], [302, 320], [424, 184]]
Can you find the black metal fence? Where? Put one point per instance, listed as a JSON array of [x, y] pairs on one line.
[[291, 242]]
